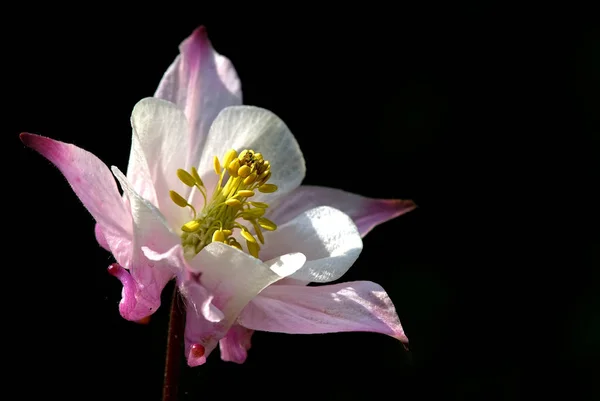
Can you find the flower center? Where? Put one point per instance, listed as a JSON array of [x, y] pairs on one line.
[[229, 208]]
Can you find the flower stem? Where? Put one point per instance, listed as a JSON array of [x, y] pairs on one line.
[[174, 349]]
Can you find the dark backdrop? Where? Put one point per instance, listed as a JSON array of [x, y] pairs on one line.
[[487, 119]]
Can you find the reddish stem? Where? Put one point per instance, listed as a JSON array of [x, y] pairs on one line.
[[174, 349]]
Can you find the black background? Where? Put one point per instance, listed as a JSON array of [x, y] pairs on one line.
[[487, 118]]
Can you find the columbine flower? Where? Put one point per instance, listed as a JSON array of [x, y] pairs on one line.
[[212, 199]]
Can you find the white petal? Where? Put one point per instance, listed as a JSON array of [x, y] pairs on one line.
[[161, 135], [248, 127], [150, 228], [328, 238], [232, 279]]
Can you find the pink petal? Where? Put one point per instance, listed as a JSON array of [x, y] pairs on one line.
[[92, 182], [232, 278], [100, 237], [149, 278], [351, 306], [202, 83], [236, 343], [365, 212], [133, 306]]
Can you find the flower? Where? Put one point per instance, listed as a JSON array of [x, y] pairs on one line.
[[232, 225]]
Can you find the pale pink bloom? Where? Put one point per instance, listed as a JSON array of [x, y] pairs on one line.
[[154, 238]]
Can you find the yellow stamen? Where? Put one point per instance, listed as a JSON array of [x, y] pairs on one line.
[[244, 171], [259, 233], [229, 206], [253, 248], [217, 165], [197, 177], [245, 193], [250, 179], [186, 177], [242, 155], [248, 236], [191, 226], [178, 199], [218, 236], [233, 202], [233, 168], [229, 156], [253, 213], [267, 224], [267, 188]]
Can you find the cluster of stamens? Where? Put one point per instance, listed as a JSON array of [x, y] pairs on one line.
[[229, 205]]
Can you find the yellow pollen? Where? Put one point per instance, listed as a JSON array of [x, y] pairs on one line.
[[197, 177], [191, 226], [178, 199], [245, 193], [229, 156], [267, 188], [250, 179], [228, 209], [186, 178], [218, 236], [267, 224], [253, 248], [217, 165], [259, 233], [233, 168], [233, 202], [244, 171], [248, 236]]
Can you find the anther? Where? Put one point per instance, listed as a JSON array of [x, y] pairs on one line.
[[248, 236], [233, 202], [186, 177], [244, 171], [267, 188], [253, 213], [190, 226], [197, 177], [245, 193], [262, 205], [233, 168], [178, 199], [250, 179], [259, 233], [242, 155], [267, 224], [217, 165], [253, 248], [218, 236], [229, 156]]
